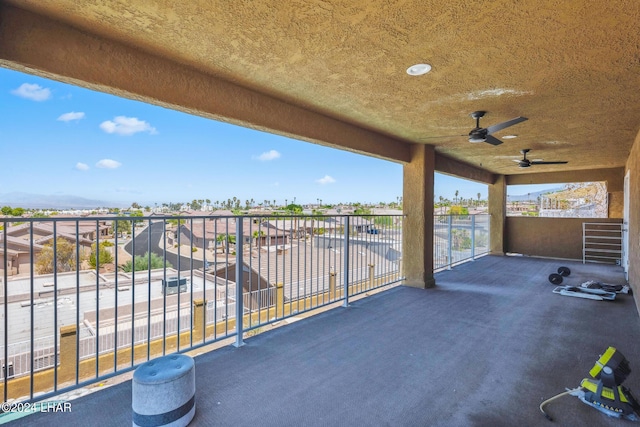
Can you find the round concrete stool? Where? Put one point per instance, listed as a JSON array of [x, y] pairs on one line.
[[164, 392]]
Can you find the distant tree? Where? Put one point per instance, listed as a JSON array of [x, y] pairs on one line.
[[137, 214], [176, 221], [6, 210], [104, 256], [456, 199], [121, 226], [145, 262], [458, 210], [257, 234], [17, 211], [361, 210], [65, 259], [479, 195], [226, 240], [135, 205], [294, 209], [461, 239], [386, 221]]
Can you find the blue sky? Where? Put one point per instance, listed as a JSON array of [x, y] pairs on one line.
[[61, 139]]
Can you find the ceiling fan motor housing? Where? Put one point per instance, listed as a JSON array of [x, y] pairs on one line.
[[478, 135]]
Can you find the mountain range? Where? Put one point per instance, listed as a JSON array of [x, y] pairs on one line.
[[532, 196], [58, 201]]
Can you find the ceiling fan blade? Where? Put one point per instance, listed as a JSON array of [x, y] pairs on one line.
[[548, 163], [492, 140], [500, 126]]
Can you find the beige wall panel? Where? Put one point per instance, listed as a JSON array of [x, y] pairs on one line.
[[616, 204], [633, 165], [547, 237]]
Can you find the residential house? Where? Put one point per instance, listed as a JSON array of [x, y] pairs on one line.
[[19, 237]]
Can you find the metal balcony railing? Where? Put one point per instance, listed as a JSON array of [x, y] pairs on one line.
[[84, 299], [87, 298], [459, 238]]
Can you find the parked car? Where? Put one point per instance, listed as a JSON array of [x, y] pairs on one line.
[[372, 231]]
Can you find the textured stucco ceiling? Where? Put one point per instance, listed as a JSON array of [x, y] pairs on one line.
[[571, 67]]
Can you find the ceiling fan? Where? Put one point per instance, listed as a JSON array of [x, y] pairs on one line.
[[479, 134], [525, 163]]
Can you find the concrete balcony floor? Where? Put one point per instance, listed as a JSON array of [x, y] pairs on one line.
[[483, 348]]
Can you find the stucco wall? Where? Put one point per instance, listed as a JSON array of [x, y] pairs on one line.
[[633, 166], [547, 237]]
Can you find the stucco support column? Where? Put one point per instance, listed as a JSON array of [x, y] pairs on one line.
[[498, 212], [417, 205]]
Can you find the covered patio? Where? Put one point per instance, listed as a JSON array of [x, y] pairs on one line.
[[484, 347], [482, 344]]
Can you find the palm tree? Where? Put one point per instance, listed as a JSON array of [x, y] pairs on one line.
[[478, 199], [456, 199]]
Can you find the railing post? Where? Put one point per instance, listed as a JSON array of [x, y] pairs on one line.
[[372, 269], [68, 346], [450, 249], [279, 298], [239, 282], [198, 320], [473, 237], [345, 273], [332, 285]]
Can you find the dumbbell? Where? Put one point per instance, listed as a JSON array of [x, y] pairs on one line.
[[556, 278]]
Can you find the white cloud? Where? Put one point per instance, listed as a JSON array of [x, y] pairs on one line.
[[33, 92], [82, 166], [108, 164], [268, 155], [326, 180], [67, 117], [122, 125]]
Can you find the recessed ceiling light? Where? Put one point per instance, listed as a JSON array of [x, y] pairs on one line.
[[418, 69], [509, 136]]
